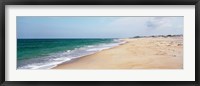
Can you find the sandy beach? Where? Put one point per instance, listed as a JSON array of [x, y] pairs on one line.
[[136, 53]]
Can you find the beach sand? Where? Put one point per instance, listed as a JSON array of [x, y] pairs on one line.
[[136, 53]]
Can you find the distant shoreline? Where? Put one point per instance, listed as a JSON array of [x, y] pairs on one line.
[[147, 52], [180, 35]]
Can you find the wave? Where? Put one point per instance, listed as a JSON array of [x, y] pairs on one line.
[[54, 59]]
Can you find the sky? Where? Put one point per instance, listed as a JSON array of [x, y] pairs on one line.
[[96, 27]]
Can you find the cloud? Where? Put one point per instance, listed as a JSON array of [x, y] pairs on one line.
[[159, 23], [165, 25]]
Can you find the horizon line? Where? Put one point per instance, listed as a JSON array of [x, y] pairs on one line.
[[99, 38]]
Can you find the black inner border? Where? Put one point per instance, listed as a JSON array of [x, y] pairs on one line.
[[97, 2]]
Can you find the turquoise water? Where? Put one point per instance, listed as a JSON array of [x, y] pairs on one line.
[[47, 53]]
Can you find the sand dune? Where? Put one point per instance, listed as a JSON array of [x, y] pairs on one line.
[[136, 53]]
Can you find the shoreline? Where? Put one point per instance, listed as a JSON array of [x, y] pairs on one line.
[[136, 53], [79, 58]]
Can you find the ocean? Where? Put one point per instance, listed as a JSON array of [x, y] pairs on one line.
[[48, 53]]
